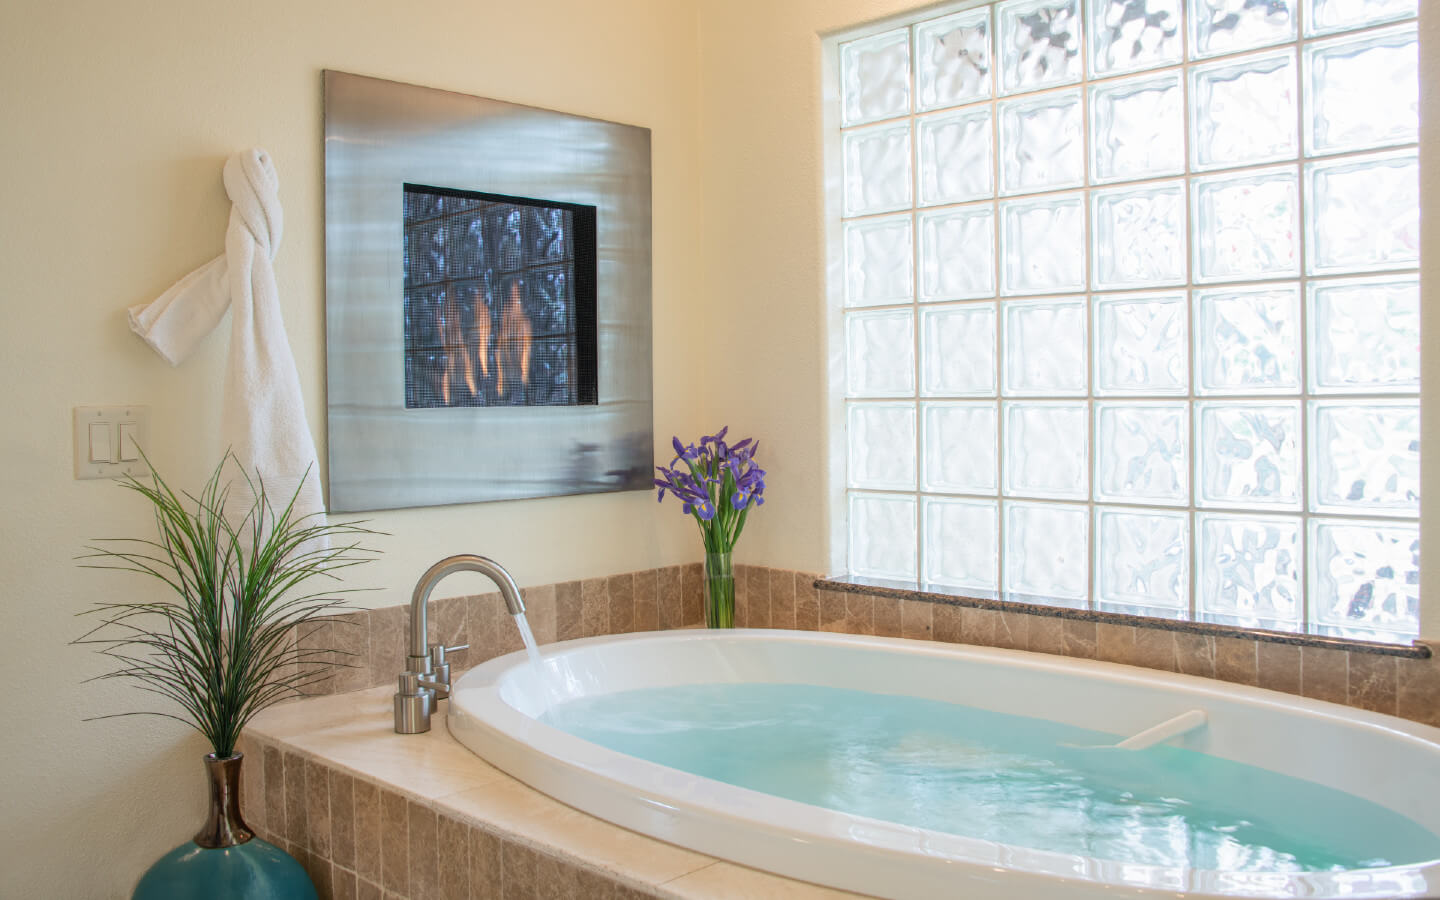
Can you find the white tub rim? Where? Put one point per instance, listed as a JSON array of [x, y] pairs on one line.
[[480, 715]]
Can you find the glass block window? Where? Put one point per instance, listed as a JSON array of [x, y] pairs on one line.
[[1129, 299], [499, 302]]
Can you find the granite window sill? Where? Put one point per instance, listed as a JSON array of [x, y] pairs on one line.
[[1038, 607]]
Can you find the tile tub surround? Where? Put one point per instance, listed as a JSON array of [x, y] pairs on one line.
[[1397, 680], [1403, 681], [371, 645], [373, 814]]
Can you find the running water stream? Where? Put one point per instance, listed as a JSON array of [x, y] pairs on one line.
[[549, 682], [531, 649]]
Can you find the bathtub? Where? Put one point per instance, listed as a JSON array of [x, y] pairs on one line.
[[495, 707]]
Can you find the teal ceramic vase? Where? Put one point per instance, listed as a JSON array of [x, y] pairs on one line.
[[225, 861]]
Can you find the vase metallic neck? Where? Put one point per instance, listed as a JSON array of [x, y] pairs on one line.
[[224, 827]]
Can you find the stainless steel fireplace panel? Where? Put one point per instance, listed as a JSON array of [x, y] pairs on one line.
[[380, 136]]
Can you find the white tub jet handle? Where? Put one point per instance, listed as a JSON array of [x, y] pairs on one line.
[[1181, 724]]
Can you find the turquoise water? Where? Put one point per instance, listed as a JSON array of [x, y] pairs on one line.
[[998, 777]]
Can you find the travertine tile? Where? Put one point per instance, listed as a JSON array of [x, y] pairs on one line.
[[342, 818], [314, 659], [519, 864], [350, 639], [453, 852], [1194, 654], [1278, 667], [343, 883], [728, 880], [1078, 638], [317, 809], [1373, 682], [555, 877], [288, 669], [493, 630], [1046, 635], [447, 622], [1012, 630], [486, 866], [369, 744], [807, 602], [1114, 643], [1154, 648], [859, 614], [948, 622], [647, 600], [977, 626], [1237, 660], [527, 815], [318, 868], [388, 629], [593, 885], [742, 596], [916, 620], [569, 619], [595, 607], [1418, 694], [832, 611], [252, 782], [782, 598], [672, 603], [1324, 673], [367, 831], [886, 616], [692, 603], [296, 824], [757, 597], [367, 890], [424, 852], [540, 612], [394, 842], [621, 589]]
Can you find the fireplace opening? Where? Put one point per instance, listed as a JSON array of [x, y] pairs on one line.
[[499, 300]]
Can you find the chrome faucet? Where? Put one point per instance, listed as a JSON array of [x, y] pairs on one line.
[[426, 679]]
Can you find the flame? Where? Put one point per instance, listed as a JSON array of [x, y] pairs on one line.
[[515, 336], [482, 335], [457, 355]]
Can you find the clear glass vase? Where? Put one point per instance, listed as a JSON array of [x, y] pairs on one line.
[[719, 591]]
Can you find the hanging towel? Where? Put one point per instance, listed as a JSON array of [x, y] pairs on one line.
[[263, 420]]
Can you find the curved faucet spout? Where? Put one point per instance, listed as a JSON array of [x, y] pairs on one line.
[[464, 562]]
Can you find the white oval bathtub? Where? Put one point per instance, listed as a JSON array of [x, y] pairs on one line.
[[495, 708]]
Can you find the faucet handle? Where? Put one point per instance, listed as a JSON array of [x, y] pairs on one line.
[[438, 652]]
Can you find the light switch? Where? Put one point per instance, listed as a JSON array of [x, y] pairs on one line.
[[129, 441], [108, 441], [100, 448]]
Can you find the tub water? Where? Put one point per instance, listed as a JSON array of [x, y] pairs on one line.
[[915, 770]]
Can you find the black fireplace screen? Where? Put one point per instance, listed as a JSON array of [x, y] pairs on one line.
[[499, 300]]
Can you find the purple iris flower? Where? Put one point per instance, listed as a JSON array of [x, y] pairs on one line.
[[717, 483]]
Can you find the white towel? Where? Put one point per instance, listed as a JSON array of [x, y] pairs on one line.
[[263, 421]]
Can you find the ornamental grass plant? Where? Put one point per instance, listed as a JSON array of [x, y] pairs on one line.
[[219, 639]]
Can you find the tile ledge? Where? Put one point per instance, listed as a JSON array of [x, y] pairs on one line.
[[335, 712], [853, 585]]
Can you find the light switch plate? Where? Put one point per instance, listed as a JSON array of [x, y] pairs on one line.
[[107, 421]]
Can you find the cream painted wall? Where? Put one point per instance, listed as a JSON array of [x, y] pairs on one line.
[[117, 118], [761, 171]]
